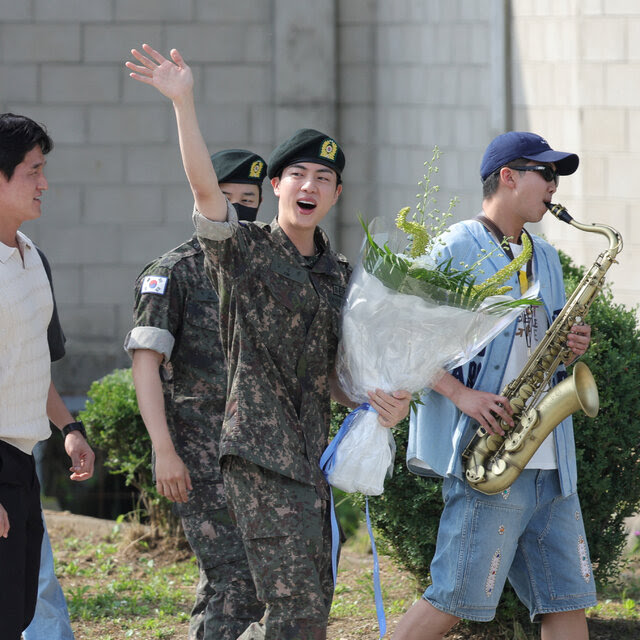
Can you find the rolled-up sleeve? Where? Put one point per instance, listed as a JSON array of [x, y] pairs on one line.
[[153, 338], [212, 230]]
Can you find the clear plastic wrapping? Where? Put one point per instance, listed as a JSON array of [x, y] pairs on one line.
[[393, 340], [364, 457]]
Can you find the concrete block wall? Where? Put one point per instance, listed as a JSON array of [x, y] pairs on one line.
[[118, 195], [412, 75], [575, 66], [389, 79]]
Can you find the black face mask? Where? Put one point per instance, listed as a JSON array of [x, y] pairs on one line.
[[246, 213]]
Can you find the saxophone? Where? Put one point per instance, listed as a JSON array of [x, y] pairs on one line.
[[492, 462]]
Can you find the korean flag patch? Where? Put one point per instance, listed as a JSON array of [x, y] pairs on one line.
[[154, 284]]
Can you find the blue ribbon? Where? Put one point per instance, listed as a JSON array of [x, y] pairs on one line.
[[377, 589], [327, 462]]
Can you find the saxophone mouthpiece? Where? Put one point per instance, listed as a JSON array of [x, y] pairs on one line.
[[559, 212]]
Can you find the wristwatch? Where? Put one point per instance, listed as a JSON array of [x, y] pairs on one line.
[[74, 426]]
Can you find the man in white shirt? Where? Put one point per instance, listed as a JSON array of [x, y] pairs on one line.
[[28, 397]]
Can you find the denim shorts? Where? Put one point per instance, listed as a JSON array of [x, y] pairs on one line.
[[529, 533]]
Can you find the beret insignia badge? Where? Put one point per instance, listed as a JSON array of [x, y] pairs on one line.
[[256, 169], [329, 149]]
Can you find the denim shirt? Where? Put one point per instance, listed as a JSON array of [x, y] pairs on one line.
[[439, 431]]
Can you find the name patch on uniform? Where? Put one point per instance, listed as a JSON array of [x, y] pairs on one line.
[[337, 290], [297, 274], [154, 284]]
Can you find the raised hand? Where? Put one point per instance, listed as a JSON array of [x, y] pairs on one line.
[[172, 78]]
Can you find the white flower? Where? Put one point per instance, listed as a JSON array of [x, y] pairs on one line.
[[425, 261]]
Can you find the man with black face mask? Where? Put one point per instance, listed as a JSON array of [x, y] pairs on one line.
[[180, 378], [240, 180]]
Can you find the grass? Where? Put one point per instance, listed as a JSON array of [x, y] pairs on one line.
[[621, 599], [127, 585], [124, 585]]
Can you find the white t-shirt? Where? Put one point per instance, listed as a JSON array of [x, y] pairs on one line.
[[532, 325]]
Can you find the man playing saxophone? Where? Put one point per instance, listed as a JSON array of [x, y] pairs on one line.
[[531, 533]]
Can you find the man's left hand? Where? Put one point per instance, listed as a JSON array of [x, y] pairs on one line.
[[81, 454], [578, 339]]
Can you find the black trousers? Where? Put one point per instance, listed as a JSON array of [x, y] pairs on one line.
[[20, 550]]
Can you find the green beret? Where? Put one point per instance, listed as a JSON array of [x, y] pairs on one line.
[[306, 145], [239, 166]]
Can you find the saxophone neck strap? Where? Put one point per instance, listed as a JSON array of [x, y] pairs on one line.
[[503, 243]]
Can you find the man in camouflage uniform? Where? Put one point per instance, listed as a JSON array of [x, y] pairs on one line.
[[176, 352], [280, 287]]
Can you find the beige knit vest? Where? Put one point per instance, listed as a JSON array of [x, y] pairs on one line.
[[25, 367]]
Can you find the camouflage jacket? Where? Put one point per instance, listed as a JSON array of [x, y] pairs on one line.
[[279, 324], [176, 314]]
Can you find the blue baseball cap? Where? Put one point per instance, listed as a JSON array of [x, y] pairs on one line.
[[522, 144]]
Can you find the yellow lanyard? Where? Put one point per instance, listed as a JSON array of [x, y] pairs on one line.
[[524, 281], [524, 277]]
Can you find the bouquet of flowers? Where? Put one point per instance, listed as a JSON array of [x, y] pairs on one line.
[[407, 317]]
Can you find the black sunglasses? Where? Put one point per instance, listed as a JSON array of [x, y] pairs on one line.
[[547, 172]]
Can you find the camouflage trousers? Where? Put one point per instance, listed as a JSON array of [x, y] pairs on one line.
[[226, 601], [286, 530]]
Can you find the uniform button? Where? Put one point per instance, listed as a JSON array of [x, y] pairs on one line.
[[496, 366]]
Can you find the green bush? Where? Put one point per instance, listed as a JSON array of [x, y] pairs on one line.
[[114, 425], [607, 445], [406, 515]]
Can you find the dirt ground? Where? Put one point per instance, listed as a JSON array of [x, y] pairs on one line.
[[358, 622], [354, 565]]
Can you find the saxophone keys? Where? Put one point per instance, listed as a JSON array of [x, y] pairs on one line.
[[527, 390], [493, 443], [475, 475], [529, 419], [498, 467], [513, 442]]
